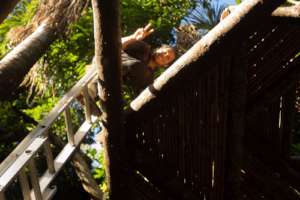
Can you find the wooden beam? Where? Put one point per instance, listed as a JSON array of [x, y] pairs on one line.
[[6, 7], [108, 62], [234, 27]]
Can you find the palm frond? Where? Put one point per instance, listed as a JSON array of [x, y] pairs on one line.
[[56, 13], [206, 15], [37, 80]]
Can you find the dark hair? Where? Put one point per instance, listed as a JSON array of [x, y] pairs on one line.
[[139, 50], [164, 46]]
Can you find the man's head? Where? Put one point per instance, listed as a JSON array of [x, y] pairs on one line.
[[164, 55]]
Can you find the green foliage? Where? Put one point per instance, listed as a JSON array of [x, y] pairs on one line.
[[98, 169], [163, 14], [10, 114], [67, 58], [41, 109], [295, 149], [20, 17]]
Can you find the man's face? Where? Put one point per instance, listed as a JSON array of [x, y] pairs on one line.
[[164, 56]]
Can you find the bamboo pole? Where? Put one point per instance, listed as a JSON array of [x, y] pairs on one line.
[[232, 28], [236, 125], [287, 12], [108, 63]]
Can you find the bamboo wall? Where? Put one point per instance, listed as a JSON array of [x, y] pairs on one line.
[[181, 142]]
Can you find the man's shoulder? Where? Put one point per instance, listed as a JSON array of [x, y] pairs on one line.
[[127, 59], [139, 50], [132, 65]]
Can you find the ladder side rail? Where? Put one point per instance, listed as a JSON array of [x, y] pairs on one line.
[[11, 172], [56, 165], [47, 121], [24, 153]]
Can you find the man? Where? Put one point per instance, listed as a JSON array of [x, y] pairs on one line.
[[139, 62]]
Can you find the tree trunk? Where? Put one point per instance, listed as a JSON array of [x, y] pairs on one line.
[[17, 63], [6, 7], [108, 62], [51, 18]]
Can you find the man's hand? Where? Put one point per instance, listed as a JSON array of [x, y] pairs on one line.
[[142, 33], [139, 34]]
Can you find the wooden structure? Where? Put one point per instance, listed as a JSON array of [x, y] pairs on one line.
[[217, 125]]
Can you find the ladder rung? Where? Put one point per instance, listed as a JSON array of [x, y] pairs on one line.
[[70, 130], [23, 180], [49, 156], [35, 180], [2, 195], [47, 194], [64, 155], [87, 103]]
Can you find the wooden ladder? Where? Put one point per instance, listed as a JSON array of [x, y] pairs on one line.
[[21, 161]]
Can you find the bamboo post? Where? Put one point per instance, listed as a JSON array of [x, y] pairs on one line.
[[236, 124], [108, 63], [288, 118], [291, 12]]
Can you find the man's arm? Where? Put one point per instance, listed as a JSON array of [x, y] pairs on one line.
[[139, 34]]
